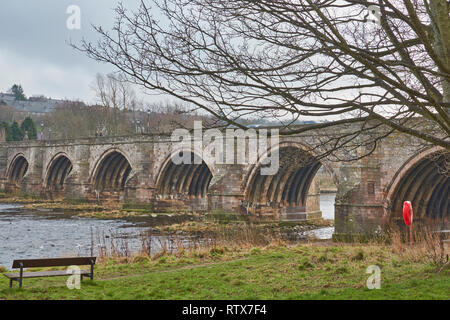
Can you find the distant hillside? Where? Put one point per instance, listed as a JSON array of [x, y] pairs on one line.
[[36, 105]]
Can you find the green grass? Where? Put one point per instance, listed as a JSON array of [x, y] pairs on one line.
[[300, 272]]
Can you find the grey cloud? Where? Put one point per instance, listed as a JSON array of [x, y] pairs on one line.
[[35, 33]]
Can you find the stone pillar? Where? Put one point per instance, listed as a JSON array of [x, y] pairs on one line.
[[32, 182], [358, 205], [313, 200], [77, 183], [2, 134], [3, 168], [140, 186], [225, 191]]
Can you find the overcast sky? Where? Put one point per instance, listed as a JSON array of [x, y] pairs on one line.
[[34, 50]]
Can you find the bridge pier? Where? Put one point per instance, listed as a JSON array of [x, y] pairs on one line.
[[225, 190], [358, 204]]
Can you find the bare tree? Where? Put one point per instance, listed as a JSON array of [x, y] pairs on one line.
[[8, 114], [72, 119], [165, 117], [294, 59], [117, 97]]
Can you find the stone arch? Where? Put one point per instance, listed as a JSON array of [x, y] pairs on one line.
[[17, 170], [111, 171], [289, 187], [184, 180], [422, 181], [284, 144], [58, 169]]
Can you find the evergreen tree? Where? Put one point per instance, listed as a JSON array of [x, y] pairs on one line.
[[28, 127], [17, 90], [16, 133]]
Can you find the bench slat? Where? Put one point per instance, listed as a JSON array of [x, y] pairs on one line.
[[54, 262], [40, 274]]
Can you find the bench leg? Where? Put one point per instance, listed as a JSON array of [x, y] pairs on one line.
[[21, 275], [92, 271], [10, 283]]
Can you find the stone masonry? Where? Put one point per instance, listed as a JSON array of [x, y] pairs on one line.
[[137, 170]]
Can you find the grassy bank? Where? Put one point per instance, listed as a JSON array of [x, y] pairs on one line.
[[309, 271]]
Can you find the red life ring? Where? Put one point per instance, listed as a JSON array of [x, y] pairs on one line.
[[407, 213]]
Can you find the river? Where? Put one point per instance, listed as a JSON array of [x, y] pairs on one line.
[[26, 235], [327, 207]]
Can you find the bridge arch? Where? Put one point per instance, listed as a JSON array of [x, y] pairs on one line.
[[184, 180], [111, 171], [424, 180], [58, 169], [289, 187], [17, 170]]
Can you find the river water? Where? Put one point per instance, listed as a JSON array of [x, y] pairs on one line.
[[327, 207], [27, 235]]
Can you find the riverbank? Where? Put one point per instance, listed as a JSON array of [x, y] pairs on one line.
[[307, 271]]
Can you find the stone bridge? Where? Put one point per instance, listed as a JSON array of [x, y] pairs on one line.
[[139, 170]]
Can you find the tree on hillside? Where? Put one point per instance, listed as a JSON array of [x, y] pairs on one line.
[[381, 66], [115, 95], [16, 133], [29, 128], [73, 119], [17, 90]]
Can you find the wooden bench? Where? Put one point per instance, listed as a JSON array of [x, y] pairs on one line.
[[44, 263]]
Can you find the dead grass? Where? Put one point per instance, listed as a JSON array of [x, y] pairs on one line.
[[427, 245]]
